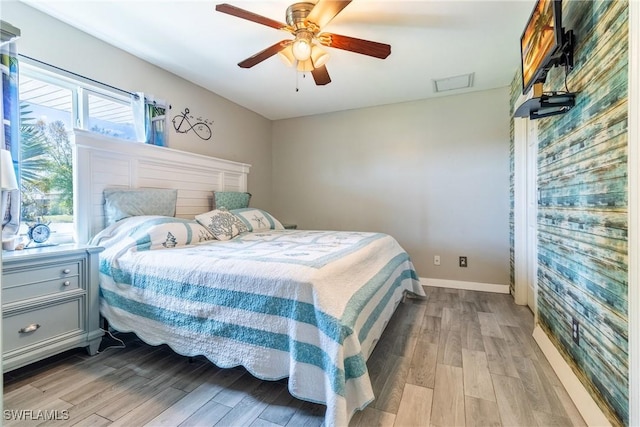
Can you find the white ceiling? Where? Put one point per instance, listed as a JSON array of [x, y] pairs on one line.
[[429, 40]]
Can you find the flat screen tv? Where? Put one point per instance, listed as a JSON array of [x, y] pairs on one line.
[[541, 42]]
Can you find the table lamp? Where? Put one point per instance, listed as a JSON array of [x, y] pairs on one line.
[[8, 179], [8, 182]]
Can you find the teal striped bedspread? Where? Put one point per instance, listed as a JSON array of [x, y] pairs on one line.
[[307, 305]]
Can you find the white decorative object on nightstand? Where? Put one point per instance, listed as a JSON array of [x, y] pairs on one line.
[[49, 303]]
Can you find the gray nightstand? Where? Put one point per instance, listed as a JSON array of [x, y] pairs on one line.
[[49, 302]]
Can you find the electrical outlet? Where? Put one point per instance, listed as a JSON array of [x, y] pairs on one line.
[[436, 259], [576, 331], [463, 261]]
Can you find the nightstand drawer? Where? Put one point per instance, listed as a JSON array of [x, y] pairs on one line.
[[40, 323], [17, 293], [36, 281], [39, 273]]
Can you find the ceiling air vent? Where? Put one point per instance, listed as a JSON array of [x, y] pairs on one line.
[[453, 83]]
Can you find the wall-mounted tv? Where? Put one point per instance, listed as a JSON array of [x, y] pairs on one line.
[[541, 42]]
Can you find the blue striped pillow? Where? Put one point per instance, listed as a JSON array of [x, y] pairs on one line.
[[257, 219]]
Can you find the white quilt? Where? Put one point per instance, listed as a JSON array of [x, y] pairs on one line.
[[307, 305]]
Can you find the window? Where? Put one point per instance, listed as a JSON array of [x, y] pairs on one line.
[[46, 169], [50, 107], [109, 116]]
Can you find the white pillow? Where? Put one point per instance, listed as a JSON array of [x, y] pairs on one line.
[[257, 219], [143, 233], [222, 224], [173, 234]]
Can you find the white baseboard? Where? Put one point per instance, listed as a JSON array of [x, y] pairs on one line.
[[588, 408], [469, 286]]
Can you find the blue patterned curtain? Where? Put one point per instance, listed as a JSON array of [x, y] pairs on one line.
[[149, 118], [156, 119], [10, 133]]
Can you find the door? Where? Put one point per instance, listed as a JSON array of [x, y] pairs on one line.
[[532, 215], [525, 212]]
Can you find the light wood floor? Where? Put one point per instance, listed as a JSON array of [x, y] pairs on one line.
[[460, 358]]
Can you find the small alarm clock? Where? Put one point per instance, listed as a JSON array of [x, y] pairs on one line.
[[39, 232]]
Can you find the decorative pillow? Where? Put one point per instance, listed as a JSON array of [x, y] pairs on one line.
[[122, 203], [230, 200], [167, 233], [257, 219], [222, 224]]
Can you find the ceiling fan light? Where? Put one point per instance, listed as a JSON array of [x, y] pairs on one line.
[[302, 46], [318, 56], [301, 50], [287, 57], [305, 65]]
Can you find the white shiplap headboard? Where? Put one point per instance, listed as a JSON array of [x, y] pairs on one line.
[[103, 162]]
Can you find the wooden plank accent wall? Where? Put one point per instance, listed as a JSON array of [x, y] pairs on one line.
[[582, 217]]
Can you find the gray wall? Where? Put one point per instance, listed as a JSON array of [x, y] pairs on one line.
[[434, 174], [238, 134]]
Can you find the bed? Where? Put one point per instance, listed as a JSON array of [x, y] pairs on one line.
[[307, 305]]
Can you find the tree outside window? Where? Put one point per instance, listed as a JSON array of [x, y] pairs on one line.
[[46, 163]]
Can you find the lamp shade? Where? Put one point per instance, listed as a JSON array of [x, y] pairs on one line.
[[318, 56], [287, 57], [305, 65], [8, 179]]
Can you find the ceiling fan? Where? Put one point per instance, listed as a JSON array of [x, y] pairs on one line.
[[305, 21]]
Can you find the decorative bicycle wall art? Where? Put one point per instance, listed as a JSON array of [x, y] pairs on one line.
[[185, 122]]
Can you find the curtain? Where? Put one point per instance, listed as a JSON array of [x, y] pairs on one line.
[[150, 119], [139, 123], [10, 112], [157, 120]]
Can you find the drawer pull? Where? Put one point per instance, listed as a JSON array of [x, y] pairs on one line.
[[66, 271], [32, 327], [66, 283]]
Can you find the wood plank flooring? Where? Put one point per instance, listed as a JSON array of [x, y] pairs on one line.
[[459, 358]]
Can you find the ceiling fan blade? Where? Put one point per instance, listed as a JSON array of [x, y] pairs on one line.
[[264, 54], [250, 16], [321, 76], [325, 10], [352, 44]]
